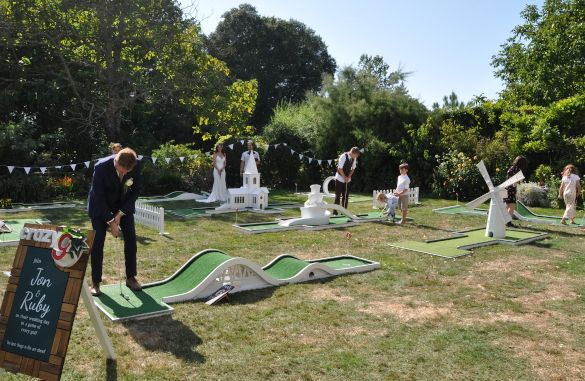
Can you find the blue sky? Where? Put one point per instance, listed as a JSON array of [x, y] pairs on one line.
[[446, 44]]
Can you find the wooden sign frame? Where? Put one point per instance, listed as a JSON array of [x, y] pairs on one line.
[[51, 369]]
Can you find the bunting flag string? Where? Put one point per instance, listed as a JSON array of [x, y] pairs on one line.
[[88, 163]]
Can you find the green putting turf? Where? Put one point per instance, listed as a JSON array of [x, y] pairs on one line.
[[258, 227], [16, 225], [119, 303], [286, 267], [198, 209], [461, 209], [340, 263], [457, 246], [149, 301], [524, 211]]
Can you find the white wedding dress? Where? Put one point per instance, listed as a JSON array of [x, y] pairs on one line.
[[219, 191]]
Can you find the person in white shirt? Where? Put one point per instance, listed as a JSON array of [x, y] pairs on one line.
[[246, 155], [345, 169], [390, 201], [401, 191], [570, 188]]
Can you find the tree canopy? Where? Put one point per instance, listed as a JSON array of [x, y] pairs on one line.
[[285, 56], [543, 61]]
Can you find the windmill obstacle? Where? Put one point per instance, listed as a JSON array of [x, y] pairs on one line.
[[461, 243]]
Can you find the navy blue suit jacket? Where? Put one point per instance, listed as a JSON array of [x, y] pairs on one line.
[[108, 195]]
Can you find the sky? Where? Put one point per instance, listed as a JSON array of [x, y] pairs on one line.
[[447, 45]]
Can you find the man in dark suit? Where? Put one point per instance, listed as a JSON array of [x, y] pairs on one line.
[[114, 189]]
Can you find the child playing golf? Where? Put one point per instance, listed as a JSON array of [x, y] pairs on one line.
[[390, 201]]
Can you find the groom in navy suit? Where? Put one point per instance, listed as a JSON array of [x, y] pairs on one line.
[[114, 189]]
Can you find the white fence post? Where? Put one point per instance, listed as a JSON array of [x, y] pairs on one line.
[[150, 216]]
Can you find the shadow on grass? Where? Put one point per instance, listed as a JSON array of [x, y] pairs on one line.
[[111, 370], [164, 334], [250, 297]]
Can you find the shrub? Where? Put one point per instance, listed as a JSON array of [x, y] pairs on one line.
[[192, 174], [542, 174], [456, 176], [5, 203], [532, 194]]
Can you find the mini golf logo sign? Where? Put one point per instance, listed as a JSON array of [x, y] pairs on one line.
[[68, 247]]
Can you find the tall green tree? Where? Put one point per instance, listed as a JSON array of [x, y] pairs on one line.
[[543, 61], [286, 57], [116, 64]]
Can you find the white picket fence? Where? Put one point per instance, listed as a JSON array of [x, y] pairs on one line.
[[412, 196], [150, 216]]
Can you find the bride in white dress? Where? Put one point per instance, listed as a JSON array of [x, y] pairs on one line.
[[219, 191]]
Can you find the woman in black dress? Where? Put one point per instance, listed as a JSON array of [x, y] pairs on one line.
[[519, 164]]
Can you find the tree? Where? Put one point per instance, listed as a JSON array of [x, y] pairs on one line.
[[543, 60], [286, 57], [108, 60]]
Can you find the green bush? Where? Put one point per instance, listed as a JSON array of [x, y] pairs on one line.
[[532, 194], [456, 176], [5, 203], [542, 174], [193, 174]]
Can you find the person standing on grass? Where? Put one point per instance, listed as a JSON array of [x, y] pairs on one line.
[[246, 155], [115, 186], [401, 191], [345, 169], [568, 191], [520, 163]]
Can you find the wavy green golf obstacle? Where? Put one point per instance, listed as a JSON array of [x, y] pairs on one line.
[[209, 270], [461, 243]]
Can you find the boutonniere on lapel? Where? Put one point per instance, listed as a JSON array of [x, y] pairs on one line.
[[128, 184]]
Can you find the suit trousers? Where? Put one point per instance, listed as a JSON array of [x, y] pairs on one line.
[[130, 248], [342, 193]]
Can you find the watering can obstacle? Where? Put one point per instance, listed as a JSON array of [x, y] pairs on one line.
[[498, 215]]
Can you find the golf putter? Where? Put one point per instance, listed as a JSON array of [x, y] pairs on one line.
[[118, 238]]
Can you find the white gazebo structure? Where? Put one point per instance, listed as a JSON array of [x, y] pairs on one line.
[[250, 195]]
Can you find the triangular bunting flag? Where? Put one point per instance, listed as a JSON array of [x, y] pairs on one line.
[[86, 164], [300, 156], [329, 161], [73, 166], [231, 146], [362, 150], [310, 160], [153, 160], [140, 157], [292, 151], [182, 158], [207, 153], [27, 170], [284, 144], [319, 161], [43, 170], [242, 142], [58, 166], [10, 168], [168, 159], [276, 145], [194, 156]]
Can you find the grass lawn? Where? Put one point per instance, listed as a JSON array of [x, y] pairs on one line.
[[504, 313]]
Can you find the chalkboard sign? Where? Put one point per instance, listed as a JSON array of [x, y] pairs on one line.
[[40, 302]]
